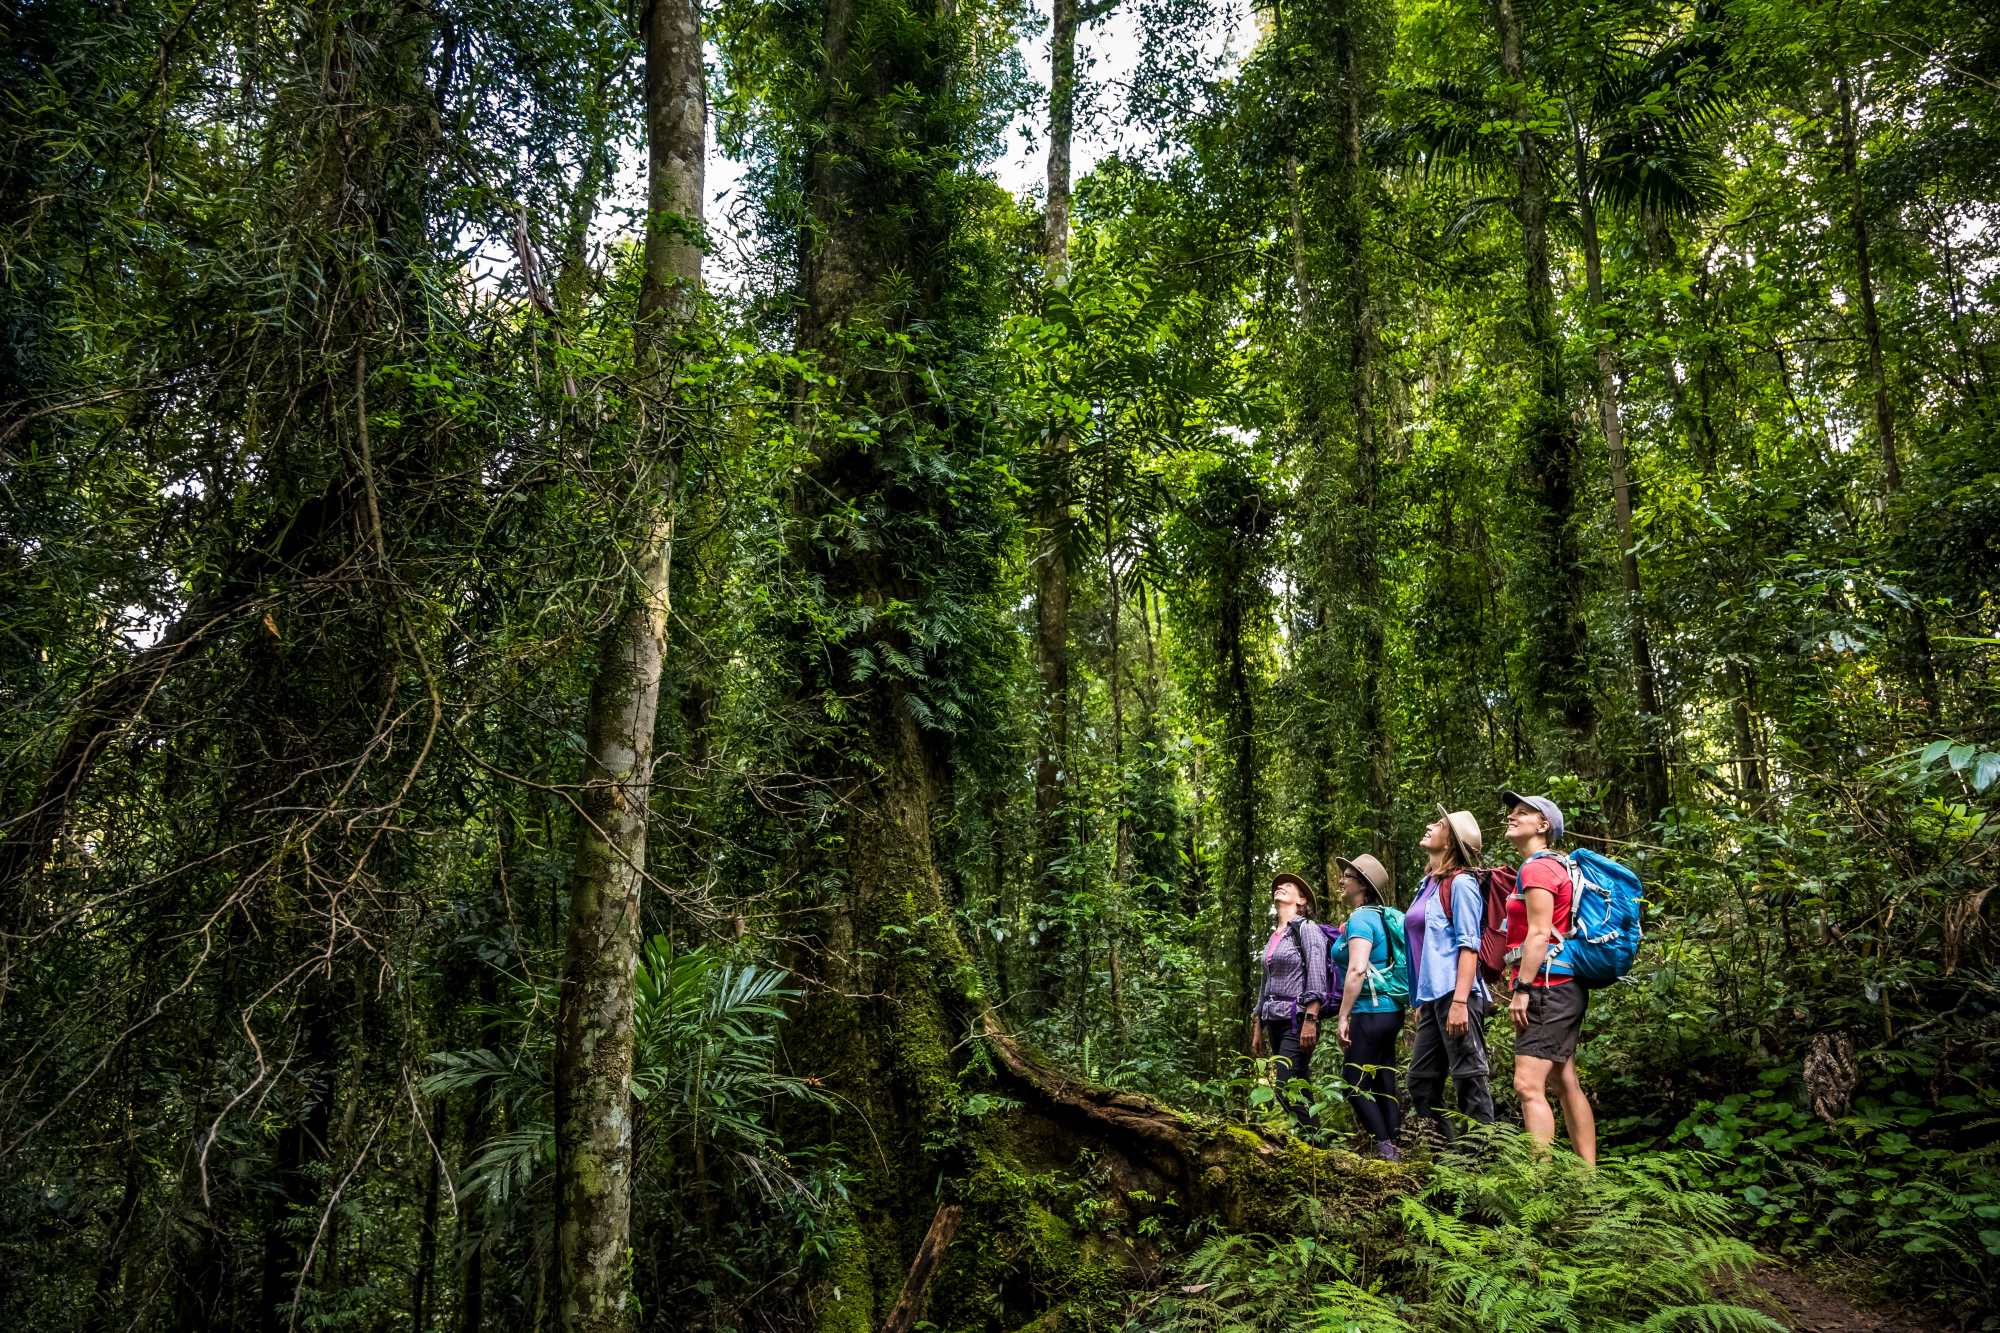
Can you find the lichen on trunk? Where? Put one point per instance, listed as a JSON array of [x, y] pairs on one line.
[[596, 1039]]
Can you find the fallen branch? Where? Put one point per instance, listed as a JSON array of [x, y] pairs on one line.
[[903, 1315]]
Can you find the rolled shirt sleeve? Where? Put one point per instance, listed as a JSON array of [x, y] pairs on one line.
[[1313, 940], [1468, 912]]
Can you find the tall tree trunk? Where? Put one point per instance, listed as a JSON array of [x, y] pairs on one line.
[[1376, 732], [1560, 662], [1696, 425], [1052, 759], [1062, 130], [884, 1027], [1871, 321], [1917, 627], [1241, 712], [1652, 754], [304, 1143], [472, 1277], [1121, 827], [423, 1282], [594, 1132], [111, 1258]]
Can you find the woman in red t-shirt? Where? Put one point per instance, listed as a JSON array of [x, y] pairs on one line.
[[1548, 1005]]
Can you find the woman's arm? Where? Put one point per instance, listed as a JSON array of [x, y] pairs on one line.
[[1312, 943], [1358, 948], [1466, 914], [1541, 905]]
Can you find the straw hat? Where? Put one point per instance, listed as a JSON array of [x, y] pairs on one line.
[[1370, 872], [1466, 838]]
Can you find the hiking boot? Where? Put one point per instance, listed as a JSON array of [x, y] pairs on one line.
[[1387, 1150]]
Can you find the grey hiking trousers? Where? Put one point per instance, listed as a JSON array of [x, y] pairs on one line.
[[1438, 1054]]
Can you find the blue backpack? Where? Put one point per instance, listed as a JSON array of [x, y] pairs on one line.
[[1604, 918]]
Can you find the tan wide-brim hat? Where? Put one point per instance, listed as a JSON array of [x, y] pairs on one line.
[[1372, 873], [1465, 834], [1287, 877]]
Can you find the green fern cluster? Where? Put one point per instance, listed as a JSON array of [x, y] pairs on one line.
[[705, 1032], [1510, 1239], [1529, 1240], [1260, 1284]]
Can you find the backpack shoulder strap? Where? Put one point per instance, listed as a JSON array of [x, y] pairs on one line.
[[1569, 866], [1388, 935], [1445, 884]]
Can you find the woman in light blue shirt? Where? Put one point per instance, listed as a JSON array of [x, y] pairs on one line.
[[1446, 994]]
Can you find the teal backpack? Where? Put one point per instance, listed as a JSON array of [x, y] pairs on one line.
[[1389, 979]]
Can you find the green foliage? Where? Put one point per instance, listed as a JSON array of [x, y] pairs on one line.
[[703, 1066], [1892, 1175], [318, 500], [1539, 1241], [1262, 1284], [1505, 1238]]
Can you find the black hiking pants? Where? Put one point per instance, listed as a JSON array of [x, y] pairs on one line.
[[1370, 1073], [1281, 1038]]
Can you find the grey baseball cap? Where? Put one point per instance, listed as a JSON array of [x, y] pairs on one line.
[[1542, 806]]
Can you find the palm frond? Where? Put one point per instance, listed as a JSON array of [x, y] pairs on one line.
[[1659, 170], [1452, 130]]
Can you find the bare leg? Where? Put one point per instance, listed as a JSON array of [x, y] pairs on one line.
[[1531, 1082], [1580, 1120]]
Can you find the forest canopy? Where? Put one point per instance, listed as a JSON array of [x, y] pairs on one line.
[[638, 690]]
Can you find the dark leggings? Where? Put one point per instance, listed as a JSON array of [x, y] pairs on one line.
[[1373, 1091], [1281, 1038]]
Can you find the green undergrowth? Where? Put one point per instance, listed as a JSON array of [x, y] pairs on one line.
[[1910, 1192], [1499, 1239]]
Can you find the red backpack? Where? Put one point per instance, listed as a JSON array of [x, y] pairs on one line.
[[1496, 885]]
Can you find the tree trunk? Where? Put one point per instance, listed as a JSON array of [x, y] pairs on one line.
[[472, 1278], [884, 1027], [1371, 613], [1240, 710], [1917, 629], [1696, 425], [1560, 663], [1052, 758], [1121, 856], [1652, 755], [1871, 322], [1062, 129], [423, 1282], [303, 1145], [594, 1131]]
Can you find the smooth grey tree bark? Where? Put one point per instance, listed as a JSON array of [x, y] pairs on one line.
[[594, 1128]]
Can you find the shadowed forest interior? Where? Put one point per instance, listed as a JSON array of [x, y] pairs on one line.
[[640, 691]]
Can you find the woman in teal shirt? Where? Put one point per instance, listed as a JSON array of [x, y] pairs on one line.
[[1373, 992]]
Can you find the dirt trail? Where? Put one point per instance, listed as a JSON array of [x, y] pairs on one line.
[[1808, 1306]]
